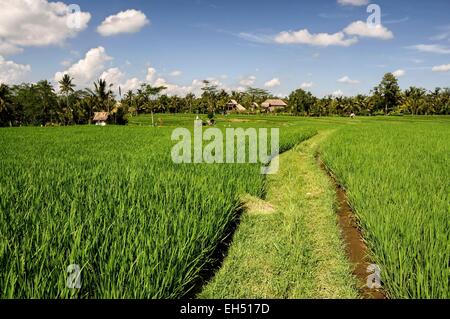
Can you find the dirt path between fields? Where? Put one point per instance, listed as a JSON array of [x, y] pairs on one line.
[[289, 245], [356, 249]]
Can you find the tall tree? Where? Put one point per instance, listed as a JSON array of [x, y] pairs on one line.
[[147, 94], [301, 102], [66, 87], [415, 100], [389, 93], [47, 101], [210, 95], [6, 116]]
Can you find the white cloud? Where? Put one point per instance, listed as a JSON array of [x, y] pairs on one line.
[[112, 76], [363, 29], [9, 49], [319, 39], [357, 3], [131, 84], [129, 21], [441, 68], [257, 38], [399, 73], [66, 62], [151, 72], [431, 48], [11, 72], [88, 69], [116, 77], [307, 85], [347, 80], [338, 93], [37, 23], [176, 73], [273, 83], [248, 81]]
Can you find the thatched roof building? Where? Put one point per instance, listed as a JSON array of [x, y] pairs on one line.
[[274, 105], [233, 105], [100, 118]]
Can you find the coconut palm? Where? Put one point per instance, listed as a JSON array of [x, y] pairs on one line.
[[66, 87], [102, 94], [147, 93]]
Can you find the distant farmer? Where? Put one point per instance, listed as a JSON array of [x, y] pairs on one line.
[[353, 115]]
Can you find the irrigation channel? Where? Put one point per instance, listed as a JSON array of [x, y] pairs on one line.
[[301, 241]]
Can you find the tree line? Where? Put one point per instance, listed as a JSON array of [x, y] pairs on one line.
[[39, 104]]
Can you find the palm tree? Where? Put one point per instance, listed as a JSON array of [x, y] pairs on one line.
[[128, 100], [103, 94], [189, 100], [65, 85], [67, 88], [149, 92]]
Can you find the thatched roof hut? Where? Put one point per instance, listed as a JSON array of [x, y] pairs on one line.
[[274, 104], [233, 105], [100, 118]]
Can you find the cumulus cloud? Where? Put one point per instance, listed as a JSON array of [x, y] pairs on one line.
[[347, 80], [151, 72], [399, 73], [37, 23], [357, 3], [176, 73], [431, 48], [319, 39], [338, 93], [273, 83], [9, 49], [112, 76], [441, 68], [129, 21], [363, 29], [248, 81], [307, 85], [116, 77], [88, 69], [11, 72]]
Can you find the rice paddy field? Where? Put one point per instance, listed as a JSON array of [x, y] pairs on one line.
[[398, 181], [111, 200]]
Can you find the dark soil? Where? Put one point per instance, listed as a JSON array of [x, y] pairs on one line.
[[356, 248]]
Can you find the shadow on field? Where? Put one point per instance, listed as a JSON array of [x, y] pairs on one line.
[[218, 257]]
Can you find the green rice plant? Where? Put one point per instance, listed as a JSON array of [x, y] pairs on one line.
[[397, 179], [112, 201]]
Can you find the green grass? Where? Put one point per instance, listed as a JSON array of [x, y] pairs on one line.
[[289, 246], [397, 178], [111, 200]]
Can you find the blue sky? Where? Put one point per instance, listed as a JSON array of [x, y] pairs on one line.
[[233, 43]]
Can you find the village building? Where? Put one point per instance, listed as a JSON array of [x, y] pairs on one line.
[[255, 106], [234, 106], [100, 118], [274, 105]]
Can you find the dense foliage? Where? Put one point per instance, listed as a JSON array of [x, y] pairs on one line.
[[39, 104], [397, 180]]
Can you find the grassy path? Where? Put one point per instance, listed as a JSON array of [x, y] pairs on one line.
[[288, 246]]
